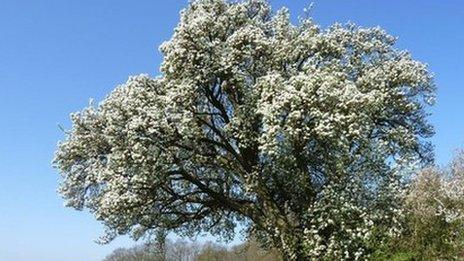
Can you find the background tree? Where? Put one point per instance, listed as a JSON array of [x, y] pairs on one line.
[[296, 133], [435, 216], [190, 251], [248, 251], [179, 250]]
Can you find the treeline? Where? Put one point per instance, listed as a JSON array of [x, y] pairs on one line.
[[182, 250]]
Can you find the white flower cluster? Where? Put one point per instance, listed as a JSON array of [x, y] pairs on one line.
[[342, 222], [333, 215]]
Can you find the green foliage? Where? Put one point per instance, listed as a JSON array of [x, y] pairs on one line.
[[398, 256]]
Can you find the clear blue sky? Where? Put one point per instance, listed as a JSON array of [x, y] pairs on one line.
[[55, 55]]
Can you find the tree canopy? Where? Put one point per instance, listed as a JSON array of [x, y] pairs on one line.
[[297, 133]]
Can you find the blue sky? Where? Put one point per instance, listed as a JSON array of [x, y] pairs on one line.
[[55, 55]]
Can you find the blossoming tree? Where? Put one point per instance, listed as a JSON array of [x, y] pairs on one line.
[[294, 132], [435, 211]]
